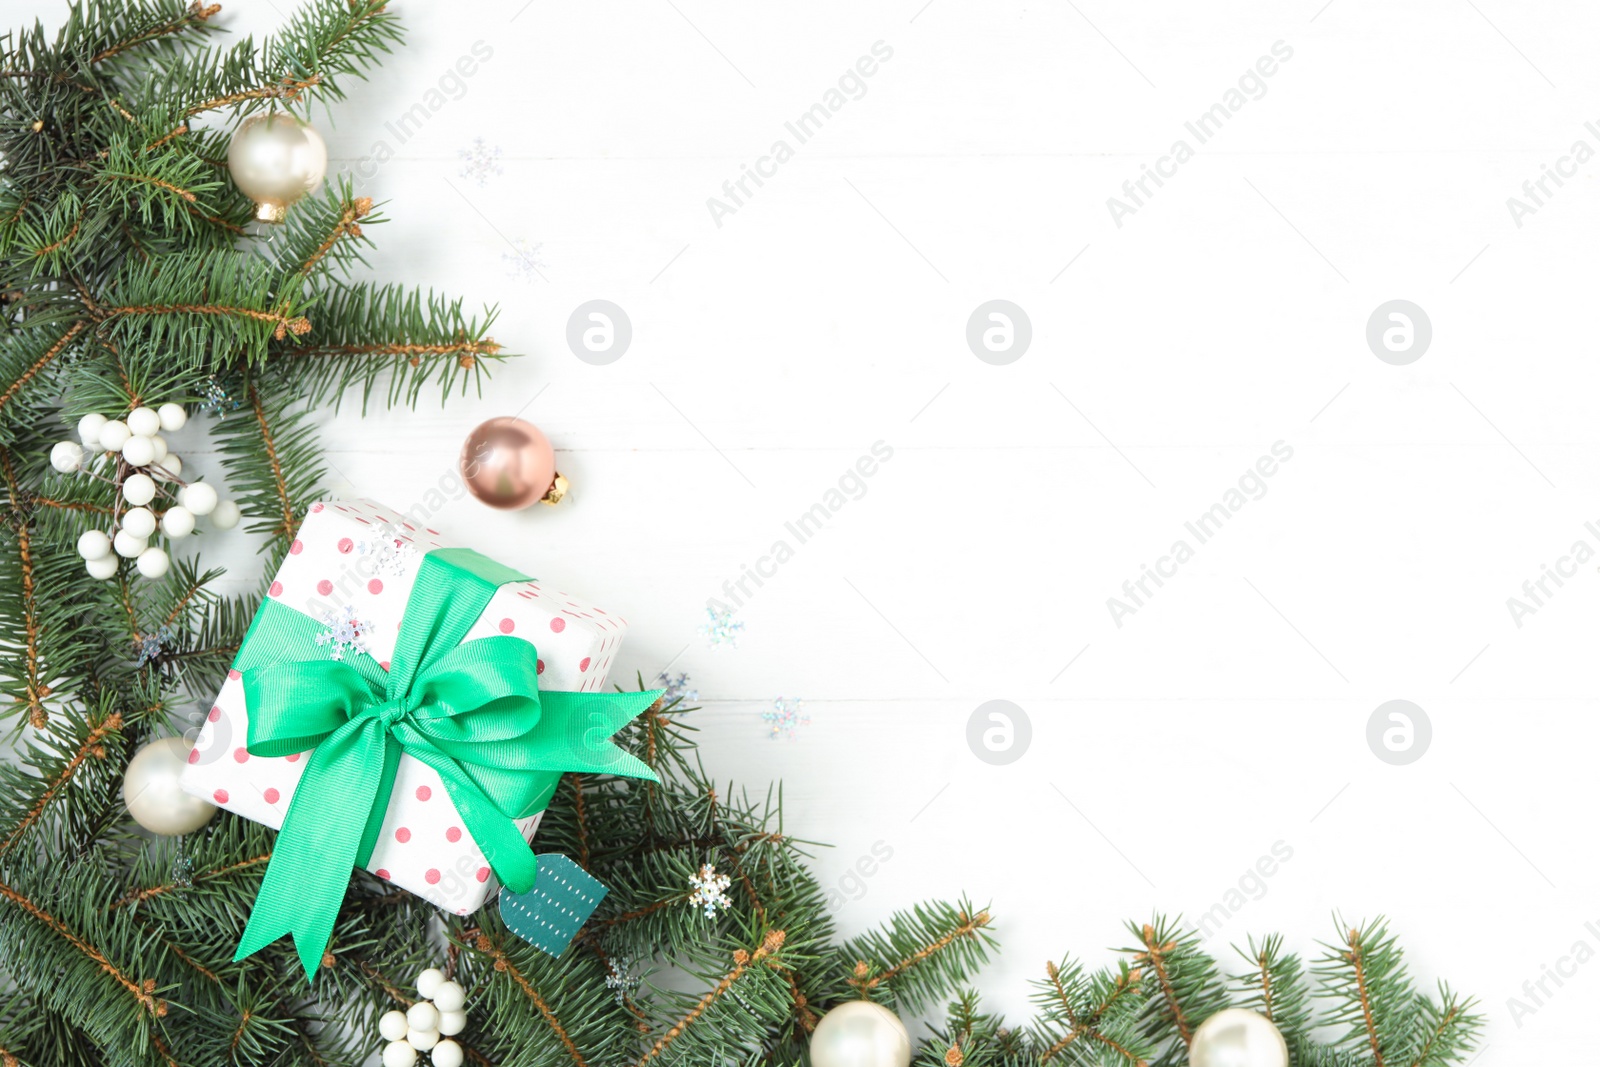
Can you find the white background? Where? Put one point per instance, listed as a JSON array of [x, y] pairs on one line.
[[829, 312]]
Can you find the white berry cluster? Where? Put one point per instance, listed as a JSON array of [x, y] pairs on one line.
[[441, 1011], [141, 468]]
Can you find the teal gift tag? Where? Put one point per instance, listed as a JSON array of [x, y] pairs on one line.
[[548, 915]]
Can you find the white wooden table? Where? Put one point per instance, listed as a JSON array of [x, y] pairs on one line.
[[828, 310]]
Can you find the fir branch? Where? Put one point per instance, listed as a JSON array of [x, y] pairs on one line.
[[92, 746], [503, 965], [743, 961]]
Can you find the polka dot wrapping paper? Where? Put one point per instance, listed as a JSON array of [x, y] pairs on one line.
[[351, 568]]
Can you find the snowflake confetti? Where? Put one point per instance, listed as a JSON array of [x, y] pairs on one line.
[[346, 632], [710, 891], [152, 645], [677, 689], [720, 627], [480, 162], [215, 399], [622, 982], [390, 552], [522, 263], [785, 717]]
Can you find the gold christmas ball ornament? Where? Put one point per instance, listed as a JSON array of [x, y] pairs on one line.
[[859, 1033], [508, 463], [1238, 1038], [275, 160]]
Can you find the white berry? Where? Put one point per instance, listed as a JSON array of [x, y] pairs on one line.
[[144, 422], [428, 982], [449, 997], [452, 1022], [128, 545], [140, 522], [226, 515], [159, 443], [422, 1040], [171, 463], [423, 1016], [138, 489], [199, 498], [153, 562], [393, 1024], [89, 429], [172, 416], [113, 435], [398, 1054], [66, 456], [448, 1054], [102, 568], [139, 451], [179, 522], [93, 544]]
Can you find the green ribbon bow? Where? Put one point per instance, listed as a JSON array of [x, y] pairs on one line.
[[473, 712]]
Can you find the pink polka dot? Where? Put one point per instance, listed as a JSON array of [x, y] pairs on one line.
[[318, 507], [194, 755], [271, 796], [233, 674], [558, 624], [276, 589], [214, 714], [346, 545], [384, 664], [483, 874], [583, 664], [381, 873], [240, 755], [324, 587], [423, 792], [540, 662], [453, 834], [432, 876], [375, 587], [507, 625], [296, 548], [220, 796], [295, 757], [402, 835]]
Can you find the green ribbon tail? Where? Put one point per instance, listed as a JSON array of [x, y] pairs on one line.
[[315, 854]]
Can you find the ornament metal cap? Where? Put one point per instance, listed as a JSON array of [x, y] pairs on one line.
[[271, 212], [557, 491]]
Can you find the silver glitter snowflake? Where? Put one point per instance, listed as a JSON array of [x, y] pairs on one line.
[[182, 869], [621, 980], [152, 645], [785, 717], [523, 263], [217, 399], [346, 632], [720, 627], [710, 891], [480, 162], [390, 552], [677, 689]]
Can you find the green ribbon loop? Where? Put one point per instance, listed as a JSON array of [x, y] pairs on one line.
[[473, 712]]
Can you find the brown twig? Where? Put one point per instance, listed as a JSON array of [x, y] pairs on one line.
[[42, 362], [280, 483], [742, 961], [286, 89], [1358, 961], [968, 928], [504, 965], [92, 747], [196, 13], [347, 226], [1156, 955], [143, 992], [284, 324], [140, 895]]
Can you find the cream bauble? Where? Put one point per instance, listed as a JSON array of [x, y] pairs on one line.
[[859, 1033], [150, 790], [275, 160], [1235, 1037]]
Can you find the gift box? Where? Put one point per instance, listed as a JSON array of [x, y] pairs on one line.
[[351, 570]]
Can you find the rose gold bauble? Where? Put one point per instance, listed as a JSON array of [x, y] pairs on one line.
[[508, 463]]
